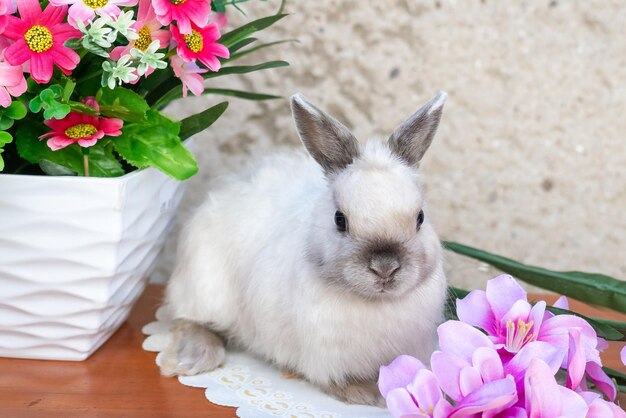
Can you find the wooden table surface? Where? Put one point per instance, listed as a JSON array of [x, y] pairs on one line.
[[122, 380]]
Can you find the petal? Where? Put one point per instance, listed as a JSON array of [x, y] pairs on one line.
[[41, 67], [488, 363], [425, 390], [64, 57], [460, 339], [398, 374], [29, 10], [493, 395], [502, 292], [574, 406], [58, 142], [547, 353], [601, 380], [400, 404], [10, 75], [536, 315], [111, 126], [623, 355], [53, 15], [543, 396], [519, 310], [469, 380], [210, 61], [474, 309], [18, 53], [5, 98], [447, 369], [562, 303], [218, 50], [443, 409], [575, 359]]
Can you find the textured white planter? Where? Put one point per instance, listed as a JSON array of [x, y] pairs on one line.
[[75, 254]]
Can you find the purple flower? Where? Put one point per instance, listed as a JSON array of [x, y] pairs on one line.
[[623, 355], [512, 323], [411, 390]]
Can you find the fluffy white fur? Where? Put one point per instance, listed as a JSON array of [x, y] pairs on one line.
[[257, 264]]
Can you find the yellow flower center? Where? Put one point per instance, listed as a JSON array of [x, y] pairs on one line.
[[38, 38], [517, 335], [82, 130], [194, 41], [177, 2], [96, 4], [144, 40]]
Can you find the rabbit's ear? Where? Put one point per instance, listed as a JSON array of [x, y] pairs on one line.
[[412, 138], [329, 142]]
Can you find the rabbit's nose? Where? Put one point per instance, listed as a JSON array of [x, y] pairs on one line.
[[384, 266]]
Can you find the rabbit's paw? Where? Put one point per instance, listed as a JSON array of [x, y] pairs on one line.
[[365, 393], [193, 349]]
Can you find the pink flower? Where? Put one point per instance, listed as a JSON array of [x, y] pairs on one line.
[[200, 45], [184, 12], [512, 323], [469, 359], [599, 408], [410, 389], [546, 399], [148, 28], [39, 38], [623, 355], [189, 74], [85, 10], [81, 128], [12, 83]]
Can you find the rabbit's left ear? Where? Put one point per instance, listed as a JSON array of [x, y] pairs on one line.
[[412, 138], [330, 143]]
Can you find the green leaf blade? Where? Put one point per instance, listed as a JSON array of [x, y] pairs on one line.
[[201, 121], [231, 38], [593, 288]]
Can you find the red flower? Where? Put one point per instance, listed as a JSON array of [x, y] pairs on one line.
[[81, 128], [39, 38], [200, 44]]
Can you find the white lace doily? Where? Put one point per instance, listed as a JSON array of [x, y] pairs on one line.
[[257, 389]]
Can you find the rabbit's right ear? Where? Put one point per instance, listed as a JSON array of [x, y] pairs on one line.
[[330, 143]]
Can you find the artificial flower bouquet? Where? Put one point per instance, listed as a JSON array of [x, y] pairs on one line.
[[82, 82], [504, 357]]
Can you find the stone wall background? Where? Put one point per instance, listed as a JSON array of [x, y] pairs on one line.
[[530, 158]]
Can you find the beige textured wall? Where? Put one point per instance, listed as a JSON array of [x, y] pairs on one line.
[[530, 157]]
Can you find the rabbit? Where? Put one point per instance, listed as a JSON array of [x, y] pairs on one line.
[[324, 264]]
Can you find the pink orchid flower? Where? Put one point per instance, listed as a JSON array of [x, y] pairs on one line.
[[189, 75], [12, 83], [39, 40], [468, 359], [599, 408], [511, 322], [184, 12], [410, 389], [622, 355], [148, 28], [546, 399], [85, 10]]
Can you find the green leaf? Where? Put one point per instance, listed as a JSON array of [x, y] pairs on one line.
[[68, 89], [5, 138], [200, 121], [16, 110], [236, 35], [245, 52], [155, 142], [596, 289], [241, 94], [54, 169], [242, 69], [102, 162], [241, 44], [57, 111], [5, 123], [122, 103]]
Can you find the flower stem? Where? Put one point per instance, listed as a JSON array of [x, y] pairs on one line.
[[86, 161]]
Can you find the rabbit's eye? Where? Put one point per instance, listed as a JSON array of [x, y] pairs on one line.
[[340, 221], [420, 219]]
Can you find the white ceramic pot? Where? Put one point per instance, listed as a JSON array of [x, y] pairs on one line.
[[75, 254]]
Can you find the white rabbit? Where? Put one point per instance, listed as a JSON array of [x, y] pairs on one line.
[[326, 266]]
